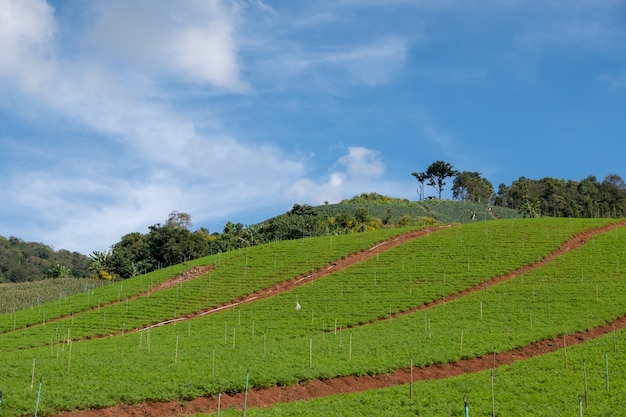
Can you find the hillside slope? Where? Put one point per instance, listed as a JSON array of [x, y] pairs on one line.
[[369, 318]]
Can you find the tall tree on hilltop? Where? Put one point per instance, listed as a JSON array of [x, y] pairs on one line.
[[436, 174]]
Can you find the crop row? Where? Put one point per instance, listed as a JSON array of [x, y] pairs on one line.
[[281, 345], [593, 382], [18, 296], [115, 309]]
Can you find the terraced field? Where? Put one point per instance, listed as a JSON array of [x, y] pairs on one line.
[[305, 315]]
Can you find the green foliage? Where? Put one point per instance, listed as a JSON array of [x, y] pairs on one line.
[[436, 174], [470, 186], [567, 198], [448, 211], [29, 261], [24, 295]]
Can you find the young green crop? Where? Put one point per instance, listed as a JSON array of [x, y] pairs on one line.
[[540, 386], [238, 273], [273, 340]]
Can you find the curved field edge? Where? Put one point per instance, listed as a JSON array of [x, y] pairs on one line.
[[164, 352], [136, 301], [539, 380]]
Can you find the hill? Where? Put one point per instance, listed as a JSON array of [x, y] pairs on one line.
[[30, 261], [294, 314]]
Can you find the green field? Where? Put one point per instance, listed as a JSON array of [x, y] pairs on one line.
[[350, 322]]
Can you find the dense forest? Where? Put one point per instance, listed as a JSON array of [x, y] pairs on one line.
[[29, 261], [566, 198]]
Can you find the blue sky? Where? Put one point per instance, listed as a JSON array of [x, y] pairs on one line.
[[115, 113]]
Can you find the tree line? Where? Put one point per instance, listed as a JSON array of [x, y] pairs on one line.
[[174, 242], [548, 196], [30, 261]]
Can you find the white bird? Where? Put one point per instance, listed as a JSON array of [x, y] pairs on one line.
[[298, 306]]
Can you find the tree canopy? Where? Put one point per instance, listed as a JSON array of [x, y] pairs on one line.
[[30, 261], [470, 186], [435, 176]]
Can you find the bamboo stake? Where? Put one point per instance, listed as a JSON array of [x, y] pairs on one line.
[[350, 355], [213, 364], [69, 358], [580, 405], [176, 355], [461, 349], [606, 358], [614, 339], [565, 351], [493, 396], [245, 398], [32, 381], [585, 380], [411, 386], [38, 397]]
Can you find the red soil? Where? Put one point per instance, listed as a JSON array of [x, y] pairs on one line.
[[318, 388]]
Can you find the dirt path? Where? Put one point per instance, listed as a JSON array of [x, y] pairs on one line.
[[300, 280], [319, 388]]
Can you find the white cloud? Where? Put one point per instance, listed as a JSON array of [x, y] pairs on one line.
[[362, 162], [27, 30], [331, 67], [149, 157], [358, 171], [194, 39], [372, 64]]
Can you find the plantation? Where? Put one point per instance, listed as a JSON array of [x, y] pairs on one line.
[[431, 300]]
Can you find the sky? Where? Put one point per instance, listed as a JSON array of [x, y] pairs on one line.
[[114, 113]]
